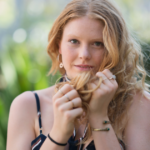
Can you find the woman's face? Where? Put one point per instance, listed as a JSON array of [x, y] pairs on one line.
[[82, 46]]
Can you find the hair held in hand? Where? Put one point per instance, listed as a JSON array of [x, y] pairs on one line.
[[82, 84], [123, 56]]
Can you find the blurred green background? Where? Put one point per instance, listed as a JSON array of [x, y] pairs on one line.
[[24, 63]]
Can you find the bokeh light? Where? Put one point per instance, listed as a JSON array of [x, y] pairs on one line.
[[19, 35]]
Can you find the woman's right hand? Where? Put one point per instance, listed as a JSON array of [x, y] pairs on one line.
[[67, 106]]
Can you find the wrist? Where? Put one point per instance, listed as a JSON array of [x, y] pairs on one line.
[[55, 142], [58, 136], [97, 121]]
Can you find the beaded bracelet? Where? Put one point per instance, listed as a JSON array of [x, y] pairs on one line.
[[60, 144]]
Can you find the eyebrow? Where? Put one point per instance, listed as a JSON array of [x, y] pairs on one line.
[[93, 39]]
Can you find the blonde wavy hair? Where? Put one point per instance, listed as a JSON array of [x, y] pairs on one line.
[[123, 57]]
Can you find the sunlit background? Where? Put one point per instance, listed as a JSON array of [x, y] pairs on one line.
[[24, 63]]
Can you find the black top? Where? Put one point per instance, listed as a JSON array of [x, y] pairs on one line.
[[37, 142]]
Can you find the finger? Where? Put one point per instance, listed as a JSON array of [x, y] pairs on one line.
[[105, 79], [74, 113], [71, 95], [65, 89], [110, 85], [60, 92], [75, 103], [103, 88], [67, 97], [109, 75]]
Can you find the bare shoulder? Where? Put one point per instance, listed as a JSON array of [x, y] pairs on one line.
[[140, 107], [21, 122], [137, 131], [26, 100], [23, 106], [23, 101], [23, 118]]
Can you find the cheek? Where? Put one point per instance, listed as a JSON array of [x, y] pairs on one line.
[[98, 58], [68, 52], [68, 57]]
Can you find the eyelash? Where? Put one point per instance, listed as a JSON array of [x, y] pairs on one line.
[[76, 41], [101, 44]]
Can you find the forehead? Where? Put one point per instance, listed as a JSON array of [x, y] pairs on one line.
[[83, 27]]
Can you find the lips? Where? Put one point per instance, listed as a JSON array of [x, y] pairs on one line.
[[84, 66]]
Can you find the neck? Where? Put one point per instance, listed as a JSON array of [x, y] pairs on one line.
[[66, 78]]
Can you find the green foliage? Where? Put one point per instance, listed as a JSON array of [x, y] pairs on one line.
[[21, 70]]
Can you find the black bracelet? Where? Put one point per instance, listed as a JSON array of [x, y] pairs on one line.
[[60, 144]]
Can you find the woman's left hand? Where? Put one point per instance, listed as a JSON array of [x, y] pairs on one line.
[[103, 95]]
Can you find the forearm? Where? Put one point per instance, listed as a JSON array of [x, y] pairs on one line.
[[104, 140]]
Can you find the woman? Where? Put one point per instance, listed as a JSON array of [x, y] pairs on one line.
[[89, 37]]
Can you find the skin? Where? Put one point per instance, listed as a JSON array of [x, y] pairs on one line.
[[57, 112], [82, 44]]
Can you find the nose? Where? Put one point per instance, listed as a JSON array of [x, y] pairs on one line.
[[84, 52]]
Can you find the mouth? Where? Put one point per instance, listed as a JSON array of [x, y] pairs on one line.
[[84, 67]]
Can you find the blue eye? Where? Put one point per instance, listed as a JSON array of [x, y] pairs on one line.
[[74, 41]]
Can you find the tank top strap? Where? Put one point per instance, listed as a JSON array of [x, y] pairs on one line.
[[38, 111]]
